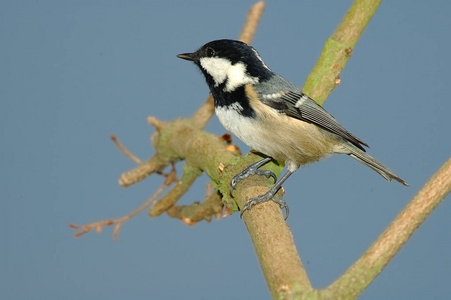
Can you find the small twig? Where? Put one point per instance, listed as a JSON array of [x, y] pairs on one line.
[[253, 18], [161, 159], [202, 115], [125, 151], [153, 165], [98, 225]]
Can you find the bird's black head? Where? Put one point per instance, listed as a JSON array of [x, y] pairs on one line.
[[229, 64]]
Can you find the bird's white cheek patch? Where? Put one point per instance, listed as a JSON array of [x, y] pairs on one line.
[[222, 69], [216, 67]]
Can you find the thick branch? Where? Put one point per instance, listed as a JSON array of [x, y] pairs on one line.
[[337, 50], [272, 239], [273, 243], [360, 275]]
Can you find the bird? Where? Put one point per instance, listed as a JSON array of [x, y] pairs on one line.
[[273, 116]]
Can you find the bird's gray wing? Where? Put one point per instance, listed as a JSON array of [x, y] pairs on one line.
[[302, 107]]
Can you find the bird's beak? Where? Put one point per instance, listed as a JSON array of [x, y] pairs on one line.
[[186, 56]]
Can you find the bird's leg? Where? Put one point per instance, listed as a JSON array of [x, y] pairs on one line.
[[270, 196], [251, 170]]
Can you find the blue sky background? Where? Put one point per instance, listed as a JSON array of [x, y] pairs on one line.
[[75, 72]]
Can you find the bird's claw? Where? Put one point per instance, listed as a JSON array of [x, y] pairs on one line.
[[264, 198], [250, 170]]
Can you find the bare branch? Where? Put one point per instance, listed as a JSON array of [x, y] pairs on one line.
[[323, 78], [125, 151], [273, 243], [118, 222], [338, 49], [250, 26], [201, 117], [360, 275], [153, 165], [183, 139], [161, 159]]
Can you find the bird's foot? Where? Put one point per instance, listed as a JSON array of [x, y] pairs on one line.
[[251, 170], [264, 198]]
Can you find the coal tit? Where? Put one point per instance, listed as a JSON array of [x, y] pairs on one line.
[[272, 115]]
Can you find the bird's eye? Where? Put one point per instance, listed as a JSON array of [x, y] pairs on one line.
[[210, 52]]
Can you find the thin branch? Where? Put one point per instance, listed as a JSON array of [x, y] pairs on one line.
[[338, 49], [201, 117], [360, 275], [153, 165], [250, 26], [125, 151], [118, 222], [272, 239], [162, 158]]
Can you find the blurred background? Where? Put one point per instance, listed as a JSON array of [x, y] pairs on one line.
[[75, 72]]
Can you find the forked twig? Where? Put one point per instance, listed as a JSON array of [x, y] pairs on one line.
[[118, 222], [156, 164], [125, 151]]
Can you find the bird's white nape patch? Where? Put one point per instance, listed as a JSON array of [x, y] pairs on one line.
[[237, 76], [222, 69], [260, 59]]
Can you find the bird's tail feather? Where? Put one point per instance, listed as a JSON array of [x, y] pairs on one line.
[[371, 162]]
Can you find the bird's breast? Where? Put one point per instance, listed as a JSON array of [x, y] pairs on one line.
[[247, 129]]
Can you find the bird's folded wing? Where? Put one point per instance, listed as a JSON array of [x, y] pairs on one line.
[[302, 107]]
